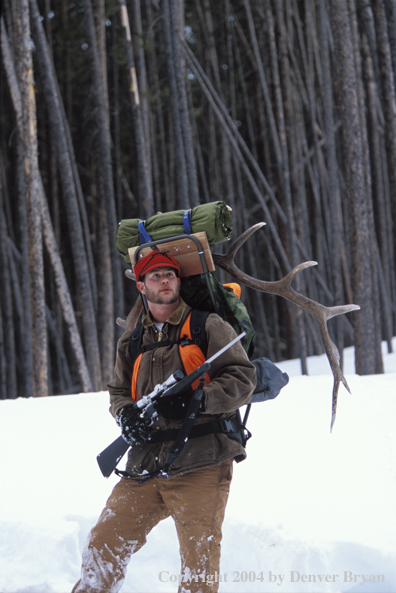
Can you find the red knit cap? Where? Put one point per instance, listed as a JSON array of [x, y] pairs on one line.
[[155, 259]]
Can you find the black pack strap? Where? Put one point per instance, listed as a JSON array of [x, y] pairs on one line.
[[158, 345], [182, 342], [197, 330], [136, 347], [136, 341], [228, 426]]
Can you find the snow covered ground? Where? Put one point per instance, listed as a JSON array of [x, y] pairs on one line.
[[309, 511]]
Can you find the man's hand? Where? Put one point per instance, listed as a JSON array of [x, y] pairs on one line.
[[134, 429], [174, 407]]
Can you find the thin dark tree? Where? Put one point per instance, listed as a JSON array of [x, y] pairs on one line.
[[356, 190]]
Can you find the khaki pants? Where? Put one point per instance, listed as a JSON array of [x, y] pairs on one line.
[[196, 502]]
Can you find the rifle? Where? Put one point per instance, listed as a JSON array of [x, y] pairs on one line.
[[175, 385]]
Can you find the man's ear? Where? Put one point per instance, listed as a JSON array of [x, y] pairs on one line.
[[140, 286]]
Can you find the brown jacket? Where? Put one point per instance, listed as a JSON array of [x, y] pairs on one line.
[[233, 379]]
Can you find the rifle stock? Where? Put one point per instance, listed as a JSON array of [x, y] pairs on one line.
[[109, 457]]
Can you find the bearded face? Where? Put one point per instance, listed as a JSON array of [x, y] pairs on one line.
[[161, 286]]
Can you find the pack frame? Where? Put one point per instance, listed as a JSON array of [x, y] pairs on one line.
[[200, 253]]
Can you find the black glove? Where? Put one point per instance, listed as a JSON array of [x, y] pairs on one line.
[[134, 429], [174, 407]]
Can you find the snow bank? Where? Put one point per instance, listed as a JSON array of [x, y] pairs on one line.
[[308, 511]]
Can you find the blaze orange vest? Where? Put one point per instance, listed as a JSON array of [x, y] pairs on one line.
[[191, 356]]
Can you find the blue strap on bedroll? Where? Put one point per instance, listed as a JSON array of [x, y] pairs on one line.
[[144, 237], [187, 222]]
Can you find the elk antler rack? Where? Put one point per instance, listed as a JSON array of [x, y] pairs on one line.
[[283, 288]]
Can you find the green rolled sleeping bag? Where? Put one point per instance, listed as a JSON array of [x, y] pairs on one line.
[[215, 218]]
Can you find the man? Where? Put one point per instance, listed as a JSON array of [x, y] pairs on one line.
[[195, 489]]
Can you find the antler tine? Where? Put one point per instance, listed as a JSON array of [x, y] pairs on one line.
[[321, 314], [283, 288], [241, 240]]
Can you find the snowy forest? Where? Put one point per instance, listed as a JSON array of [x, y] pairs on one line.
[[119, 109]]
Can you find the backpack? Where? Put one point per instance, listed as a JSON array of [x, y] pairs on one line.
[[194, 291]]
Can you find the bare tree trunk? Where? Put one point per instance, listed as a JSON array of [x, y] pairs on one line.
[[226, 176], [143, 89], [115, 110], [378, 180], [99, 84], [3, 362], [335, 210], [356, 189], [25, 330], [379, 368], [9, 380], [163, 183], [64, 295], [388, 97], [182, 180], [70, 200], [144, 181], [285, 120], [390, 8], [35, 241], [106, 323]]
